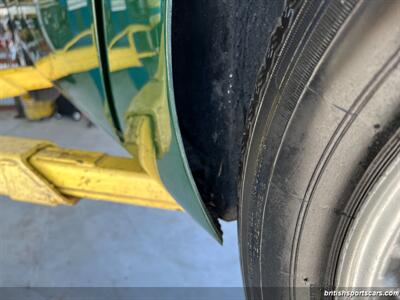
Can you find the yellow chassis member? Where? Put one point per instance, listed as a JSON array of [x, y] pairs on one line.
[[42, 173]]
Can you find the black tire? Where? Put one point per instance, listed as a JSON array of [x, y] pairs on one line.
[[326, 102]]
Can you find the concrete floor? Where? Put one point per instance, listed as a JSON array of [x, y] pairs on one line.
[[98, 244]]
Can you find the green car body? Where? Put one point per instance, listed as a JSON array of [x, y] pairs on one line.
[[124, 70]]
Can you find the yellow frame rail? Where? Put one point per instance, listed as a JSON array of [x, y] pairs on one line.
[[42, 173]]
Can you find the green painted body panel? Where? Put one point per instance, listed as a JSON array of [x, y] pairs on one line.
[[132, 75]]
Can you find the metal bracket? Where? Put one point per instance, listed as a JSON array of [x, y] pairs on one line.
[[42, 173], [152, 102]]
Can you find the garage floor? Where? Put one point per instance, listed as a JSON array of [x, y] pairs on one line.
[[98, 244]]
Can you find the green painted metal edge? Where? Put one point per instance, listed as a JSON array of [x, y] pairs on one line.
[[174, 165]]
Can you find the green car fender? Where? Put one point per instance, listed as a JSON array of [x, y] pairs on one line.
[[114, 61]]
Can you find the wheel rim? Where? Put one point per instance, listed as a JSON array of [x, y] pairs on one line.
[[370, 255]]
